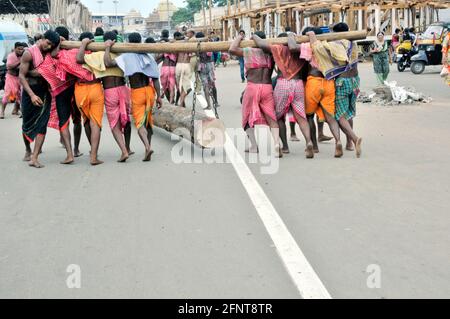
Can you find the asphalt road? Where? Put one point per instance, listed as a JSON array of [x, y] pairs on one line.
[[168, 230]]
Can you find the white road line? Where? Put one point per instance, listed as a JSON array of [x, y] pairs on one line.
[[303, 275]]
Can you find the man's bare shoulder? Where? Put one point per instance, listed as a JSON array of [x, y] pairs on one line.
[[26, 56]]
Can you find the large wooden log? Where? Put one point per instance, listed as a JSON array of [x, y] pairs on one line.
[[193, 46], [208, 132]]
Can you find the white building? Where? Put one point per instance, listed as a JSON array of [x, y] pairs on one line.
[[134, 22], [108, 21], [166, 9]]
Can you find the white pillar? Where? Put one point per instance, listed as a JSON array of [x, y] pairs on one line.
[[422, 17], [307, 22], [279, 29], [360, 20], [394, 20], [427, 8], [377, 19], [277, 23], [297, 22], [370, 17], [406, 18], [267, 24], [330, 18], [248, 25]]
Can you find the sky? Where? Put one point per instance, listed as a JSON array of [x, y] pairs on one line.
[[124, 6]]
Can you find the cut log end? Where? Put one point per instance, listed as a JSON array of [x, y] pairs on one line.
[[210, 134]]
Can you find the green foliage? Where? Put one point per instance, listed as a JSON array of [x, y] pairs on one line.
[[182, 15], [186, 14]]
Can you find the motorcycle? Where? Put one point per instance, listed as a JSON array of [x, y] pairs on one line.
[[404, 59], [404, 52]]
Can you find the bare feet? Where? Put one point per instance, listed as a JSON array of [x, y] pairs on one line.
[[77, 153], [16, 110], [349, 147], [27, 157], [358, 147], [316, 149], [285, 150], [252, 149], [309, 151], [148, 156], [95, 162], [67, 161], [294, 138], [123, 158], [339, 151], [278, 152], [36, 164], [324, 138]]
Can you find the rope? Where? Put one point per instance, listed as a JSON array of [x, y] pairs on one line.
[[194, 98]]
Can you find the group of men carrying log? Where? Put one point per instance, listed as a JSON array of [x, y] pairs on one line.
[[180, 69], [317, 78], [59, 84], [62, 84]]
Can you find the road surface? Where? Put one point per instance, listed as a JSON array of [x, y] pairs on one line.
[[375, 227]]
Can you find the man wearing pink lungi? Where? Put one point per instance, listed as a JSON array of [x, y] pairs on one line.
[[168, 75], [258, 105], [12, 83], [289, 92], [118, 106]]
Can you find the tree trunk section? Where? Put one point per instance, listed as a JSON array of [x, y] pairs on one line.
[[208, 132]]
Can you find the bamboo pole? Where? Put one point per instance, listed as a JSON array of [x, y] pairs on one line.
[[194, 46]]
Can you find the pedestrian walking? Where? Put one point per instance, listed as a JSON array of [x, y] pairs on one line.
[[381, 58]]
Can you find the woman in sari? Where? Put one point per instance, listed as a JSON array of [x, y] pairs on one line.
[[381, 58]]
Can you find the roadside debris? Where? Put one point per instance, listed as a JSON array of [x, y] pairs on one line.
[[391, 94]]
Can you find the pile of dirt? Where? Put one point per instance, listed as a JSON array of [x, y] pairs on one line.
[[391, 95]]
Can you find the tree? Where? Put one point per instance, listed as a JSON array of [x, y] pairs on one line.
[[182, 15], [186, 14]]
